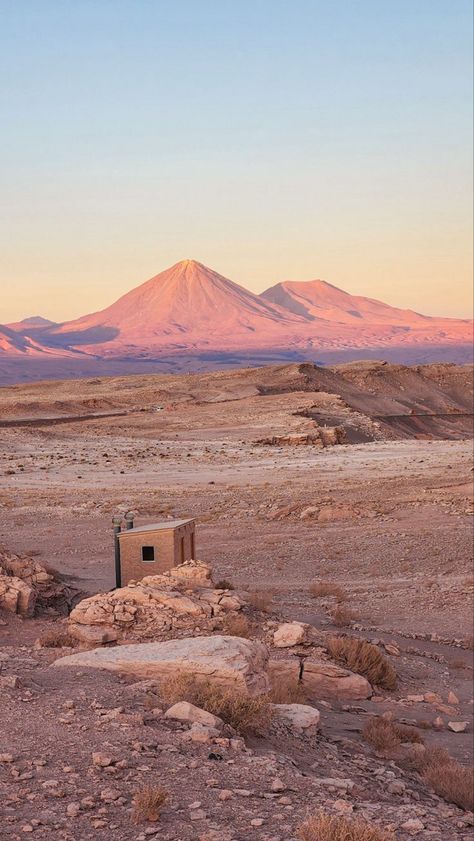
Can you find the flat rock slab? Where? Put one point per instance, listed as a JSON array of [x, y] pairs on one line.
[[322, 679], [225, 660], [300, 718]]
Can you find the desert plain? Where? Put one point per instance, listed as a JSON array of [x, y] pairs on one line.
[[339, 498]]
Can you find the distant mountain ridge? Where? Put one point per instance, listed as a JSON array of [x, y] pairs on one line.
[[317, 299], [192, 310]]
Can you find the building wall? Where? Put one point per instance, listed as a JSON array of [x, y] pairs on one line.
[[131, 564], [183, 543], [171, 547]]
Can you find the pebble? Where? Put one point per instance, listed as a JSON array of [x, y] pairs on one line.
[[414, 825], [101, 759], [343, 806], [458, 726], [278, 785]]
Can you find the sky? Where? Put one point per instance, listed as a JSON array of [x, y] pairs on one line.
[[270, 140]]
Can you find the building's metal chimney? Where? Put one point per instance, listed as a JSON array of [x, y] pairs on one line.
[[129, 520], [117, 524]]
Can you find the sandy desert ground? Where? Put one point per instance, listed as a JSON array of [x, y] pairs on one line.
[[387, 517]]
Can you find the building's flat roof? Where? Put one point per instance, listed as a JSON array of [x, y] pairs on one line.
[[168, 524]]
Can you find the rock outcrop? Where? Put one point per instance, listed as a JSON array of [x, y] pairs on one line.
[[299, 718], [322, 680], [224, 660], [291, 633], [178, 601], [26, 586], [319, 437], [189, 713]]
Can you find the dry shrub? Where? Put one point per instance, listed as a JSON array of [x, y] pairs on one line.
[[385, 735], [362, 657], [287, 691], [343, 616], [56, 638], [319, 589], [431, 756], [453, 782], [148, 802], [177, 687], [323, 827], [237, 625], [243, 713], [223, 584], [259, 600], [450, 780], [409, 734]]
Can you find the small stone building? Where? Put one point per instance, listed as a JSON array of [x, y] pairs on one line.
[[155, 548]]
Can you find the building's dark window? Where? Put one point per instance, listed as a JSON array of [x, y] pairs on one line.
[[148, 553]]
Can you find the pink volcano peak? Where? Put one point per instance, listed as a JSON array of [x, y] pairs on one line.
[[188, 302]]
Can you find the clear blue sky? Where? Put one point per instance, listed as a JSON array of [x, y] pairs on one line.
[[270, 140]]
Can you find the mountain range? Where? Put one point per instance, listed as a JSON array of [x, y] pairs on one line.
[[190, 317]]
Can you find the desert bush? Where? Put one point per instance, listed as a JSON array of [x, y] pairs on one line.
[[324, 827], [243, 713], [236, 625], [319, 589], [453, 782], [177, 687], [408, 734], [223, 584], [362, 657], [287, 691], [56, 638], [385, 735], [450, 780], [259, 600], [343, 616], [148, 803]]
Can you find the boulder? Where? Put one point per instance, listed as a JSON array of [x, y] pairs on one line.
[[196, 572], [182, 598], [458, 726], [322, 680], [310, 511], [334, 513], [300, 718], [26, 586], [17, 596], [291, 633], [184, 711], [224, 660]]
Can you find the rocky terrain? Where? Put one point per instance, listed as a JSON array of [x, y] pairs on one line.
[[327, 624]]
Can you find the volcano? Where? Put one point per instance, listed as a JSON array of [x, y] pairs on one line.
[[319, 300], [185, 306]]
